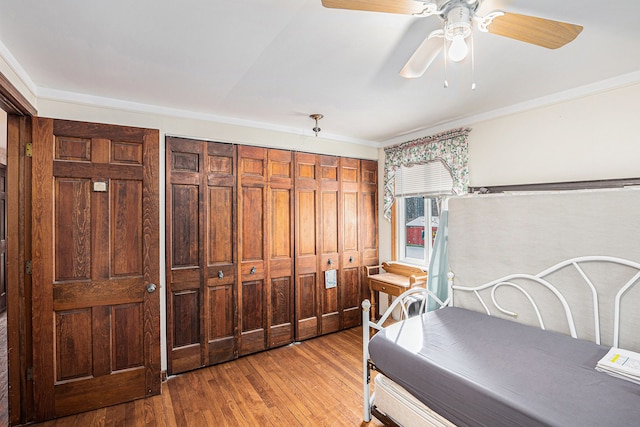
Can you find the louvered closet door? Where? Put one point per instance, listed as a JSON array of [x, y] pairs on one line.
[[368, 219], [201, 253], [330, 214], [307, 246], [253, 249], [350, 292]]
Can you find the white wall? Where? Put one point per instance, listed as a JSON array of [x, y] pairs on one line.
[[593, 137], [588, 138]]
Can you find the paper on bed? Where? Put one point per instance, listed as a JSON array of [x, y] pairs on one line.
[[621, 363]]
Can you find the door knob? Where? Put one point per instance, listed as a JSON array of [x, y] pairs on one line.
[[253, 270], [151, 288], [220, 274]]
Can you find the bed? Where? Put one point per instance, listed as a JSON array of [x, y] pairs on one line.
[[473, 363]]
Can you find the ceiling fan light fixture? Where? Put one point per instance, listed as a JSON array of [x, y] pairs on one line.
[[457, 29], [458, 49]]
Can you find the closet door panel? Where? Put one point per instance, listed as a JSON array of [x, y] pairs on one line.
[[185, 164], [252, 241], [306, 247], [350, 242], [368, 218], [330, 256], [281, 246], [221, 254], [201, 253]]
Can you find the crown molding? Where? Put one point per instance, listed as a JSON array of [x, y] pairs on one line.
[[545, 101], [136, 107], [17, 69]]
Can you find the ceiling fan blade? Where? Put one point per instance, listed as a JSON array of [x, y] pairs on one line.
[[422, 58], [405, 7], [534, 30]]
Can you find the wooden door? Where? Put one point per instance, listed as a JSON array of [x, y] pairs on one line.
[[307, 246], [252, 249], [96, 320], [330, 213], [350, 292], [368, 219], [280, 308], [201, 253], [3, 238]]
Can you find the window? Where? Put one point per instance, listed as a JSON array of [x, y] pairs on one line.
[[417, 189], [417, 223]]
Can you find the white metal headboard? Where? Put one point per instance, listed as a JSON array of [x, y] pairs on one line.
[[540, 278]]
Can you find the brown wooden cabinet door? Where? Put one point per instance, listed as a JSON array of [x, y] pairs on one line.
[[96, 320], [349, 283], [368, 218], [307, 246], [201, 254], [330, 218]]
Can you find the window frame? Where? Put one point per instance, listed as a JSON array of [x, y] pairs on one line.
[[399, 232]]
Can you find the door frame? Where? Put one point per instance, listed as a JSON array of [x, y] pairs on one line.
[[19, 111]]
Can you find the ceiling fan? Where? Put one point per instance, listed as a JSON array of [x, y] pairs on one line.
[[458, 17]]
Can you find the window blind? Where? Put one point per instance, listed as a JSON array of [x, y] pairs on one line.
[[428, 179]]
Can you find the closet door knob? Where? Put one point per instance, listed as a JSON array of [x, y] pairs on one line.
[[330, 262], [220, 274], [151, 288], [253, 270], [350, 259]]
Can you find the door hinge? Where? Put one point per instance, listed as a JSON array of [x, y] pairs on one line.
[[28, 149], [28, 267], [30, 373]]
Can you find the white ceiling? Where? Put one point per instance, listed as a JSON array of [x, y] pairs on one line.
[[271, 63]]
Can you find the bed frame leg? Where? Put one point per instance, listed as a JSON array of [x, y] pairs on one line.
[[366, 378]]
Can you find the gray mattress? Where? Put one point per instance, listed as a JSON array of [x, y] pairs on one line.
[[478, 370]]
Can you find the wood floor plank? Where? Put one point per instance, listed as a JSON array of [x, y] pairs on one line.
[[317, 382]]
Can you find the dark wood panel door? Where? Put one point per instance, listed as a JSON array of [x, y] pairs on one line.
[[350, 292], [96, 320], [330, 218], [307, 246], [220, 254], [184, 253], [252, 249], [280, 309], [368, 219], [3, 238], [201, 253]]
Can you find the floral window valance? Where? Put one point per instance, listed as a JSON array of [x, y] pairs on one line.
[[449, 147]]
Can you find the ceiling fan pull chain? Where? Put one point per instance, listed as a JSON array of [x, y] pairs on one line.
[[473, 62], [444, 50]]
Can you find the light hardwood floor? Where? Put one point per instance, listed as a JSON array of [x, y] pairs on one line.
[[317, 382]]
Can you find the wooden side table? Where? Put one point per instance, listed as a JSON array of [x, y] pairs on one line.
[[396, 279]]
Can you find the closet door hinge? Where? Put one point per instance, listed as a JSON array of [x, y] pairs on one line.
[[28, 149], [28, 267], [30, 373]]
